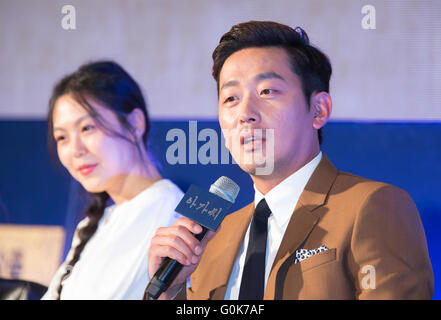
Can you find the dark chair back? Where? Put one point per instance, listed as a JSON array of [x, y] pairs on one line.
[[21, 290]]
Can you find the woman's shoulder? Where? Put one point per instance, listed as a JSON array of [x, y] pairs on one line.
[[167, 183], [165, 188], [163, 196]]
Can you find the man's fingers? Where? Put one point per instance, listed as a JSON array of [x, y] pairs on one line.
[[170, 252], [190, 225], [170, 244], [182, 229], [178, 243]]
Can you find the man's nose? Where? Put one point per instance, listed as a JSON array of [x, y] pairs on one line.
[[249, 110]]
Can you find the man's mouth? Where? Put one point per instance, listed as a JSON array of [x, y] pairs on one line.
[[252, 141], [249, 139]]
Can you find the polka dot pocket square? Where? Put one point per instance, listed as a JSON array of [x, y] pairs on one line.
[[302, 254]]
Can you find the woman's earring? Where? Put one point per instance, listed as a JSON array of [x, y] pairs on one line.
[[135, 133]]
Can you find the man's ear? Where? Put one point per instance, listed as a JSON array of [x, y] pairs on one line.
[[321, 107], [136, 120]]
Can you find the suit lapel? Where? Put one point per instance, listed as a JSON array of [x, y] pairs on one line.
[[303, 218], [226, 249]]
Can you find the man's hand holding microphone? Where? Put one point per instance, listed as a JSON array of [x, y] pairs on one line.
[[175, 251]]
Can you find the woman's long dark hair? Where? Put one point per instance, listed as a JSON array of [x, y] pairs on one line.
[[109, 84]]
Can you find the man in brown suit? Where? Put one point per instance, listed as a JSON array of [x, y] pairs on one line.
[[312, 232]]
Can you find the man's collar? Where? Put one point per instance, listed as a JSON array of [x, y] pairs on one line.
[[283, 198]]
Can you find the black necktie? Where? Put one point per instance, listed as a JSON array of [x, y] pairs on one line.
[[253, 275]]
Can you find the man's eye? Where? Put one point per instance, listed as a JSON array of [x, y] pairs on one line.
[[230, 99], [267, 91]]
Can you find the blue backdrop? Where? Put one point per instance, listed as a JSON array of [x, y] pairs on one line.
[[33, 190]]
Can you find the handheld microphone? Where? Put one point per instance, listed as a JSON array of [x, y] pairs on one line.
[[206, 208]]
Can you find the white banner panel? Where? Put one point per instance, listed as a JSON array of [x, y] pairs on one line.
[[386, 55]]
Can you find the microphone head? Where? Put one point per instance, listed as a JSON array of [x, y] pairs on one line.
[[225, 188]]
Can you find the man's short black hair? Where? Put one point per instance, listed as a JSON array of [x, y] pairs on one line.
[[310, 64]]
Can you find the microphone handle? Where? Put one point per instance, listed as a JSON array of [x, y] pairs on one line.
[[167, 272]]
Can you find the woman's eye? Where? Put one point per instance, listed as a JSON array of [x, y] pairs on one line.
[[59, 138], [87, 128]]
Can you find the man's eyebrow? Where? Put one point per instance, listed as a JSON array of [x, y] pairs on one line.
[[230, 83], [269, 75], [259, 77], [76, 122]]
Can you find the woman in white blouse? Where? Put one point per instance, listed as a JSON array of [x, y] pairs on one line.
[[99, 124]]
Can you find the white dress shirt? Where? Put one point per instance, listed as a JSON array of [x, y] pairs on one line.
[[282, 200], [114, 262]]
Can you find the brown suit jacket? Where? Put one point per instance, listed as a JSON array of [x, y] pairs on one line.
[[374, 235]]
